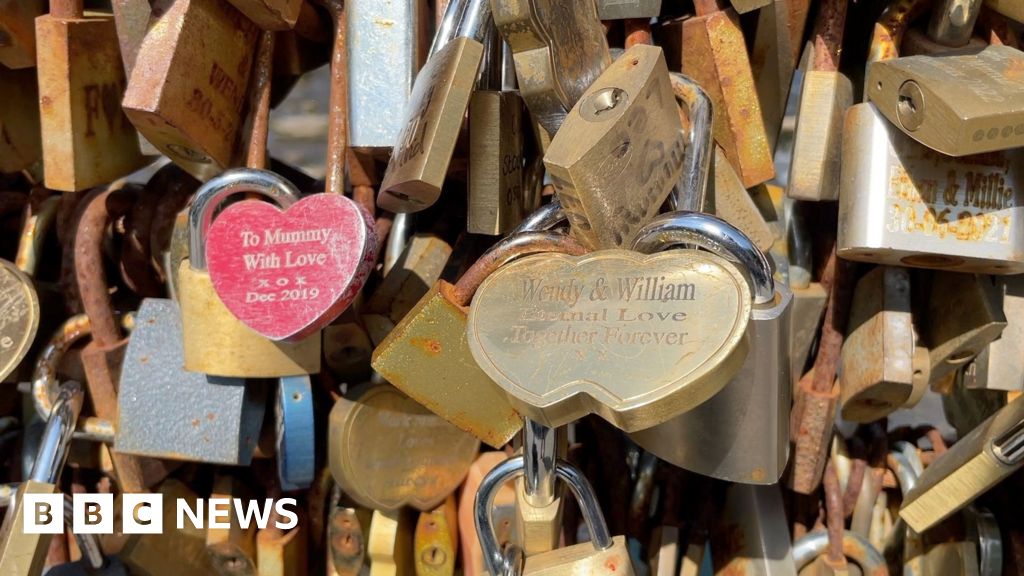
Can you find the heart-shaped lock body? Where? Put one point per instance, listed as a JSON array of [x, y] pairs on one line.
[[631, 337], [288, 273]]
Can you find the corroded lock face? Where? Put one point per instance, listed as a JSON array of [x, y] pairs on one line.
[[956, 103], [192, 118], [387, 451], [679, 317], [904, 204], [559, 50], [623, 134], [814, 171]]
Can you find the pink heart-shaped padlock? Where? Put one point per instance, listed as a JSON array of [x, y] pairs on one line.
[[288, 273]]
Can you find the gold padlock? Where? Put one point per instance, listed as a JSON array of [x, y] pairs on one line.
[[603, 555], [215, 341]]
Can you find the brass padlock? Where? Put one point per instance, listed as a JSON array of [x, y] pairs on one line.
[[559, 50], [18, 31], [23, 553], [826, 94], [87, 140], [602, 555], [497, 199], [734, 204], [954, 103], [436, 540], [194, 118], [962, 316], [427, 354], [386, 451], [624, 133], [740, 434], [567, 311], [389, 543], [216, 342], [977, 462], [999, 366], [538, 502], [20, 144], [703, 47], [232, 548], [877, 365], [433, 117]]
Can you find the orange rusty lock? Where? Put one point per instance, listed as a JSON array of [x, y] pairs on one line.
[[87, 140]]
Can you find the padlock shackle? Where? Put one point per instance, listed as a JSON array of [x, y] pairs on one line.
[[952, 23], [448, 25], [690, 193], [37, 225], [211, 194], [544, 218], [513, 467], [855, 547], [53, 447], [507, 250], [540, 451], [889, 30], [716, 236], [475, 20], [93, 289]]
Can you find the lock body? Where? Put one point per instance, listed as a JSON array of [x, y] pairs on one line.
[[814, 171], [957, 103], [382, 64], [999, 366], [152, 419], [276, 15], [734, 204], [217, 343], [193, 118], [622, 10], [496, 193], [427, 356], [22, 553], [20, 144], [582, 559], [623, 134], [87, 140], [903, 204], [742, 433]]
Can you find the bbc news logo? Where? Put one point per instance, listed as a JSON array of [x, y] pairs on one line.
[[144, 513]]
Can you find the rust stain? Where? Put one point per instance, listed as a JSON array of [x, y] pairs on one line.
[[428, 345]]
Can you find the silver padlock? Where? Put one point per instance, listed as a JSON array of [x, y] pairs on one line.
[[1000, 366], [624, 9], [384, 40], [903, 204], [22, 554], [752, 527], [167, 412], [742, 433]]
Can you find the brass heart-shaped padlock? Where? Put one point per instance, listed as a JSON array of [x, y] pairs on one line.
[[634, 338]]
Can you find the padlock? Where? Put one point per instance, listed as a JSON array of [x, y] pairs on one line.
[[602, 555], [775, 52], [389, 543], [877, 366], [273, 15], [386, 451], [152, 554], [345, 537], [193, 118], [131, 20], [809, 298], [295, 433], [433, 116], [902, 204], [215, 341], [691, 192], [427, 355], [502, 512], [751, 536], [282, 552], [999, 366], [956, 104], [623, 133], [220, 424], [232, 548], [734, 204], [382, 63], [496, 201], [436, 540], [740, 434], [18, 31], [23, 553], [963, 315], [538, 502], [417, 268], [628, 9], [559, 50], [568, 310], [744, 6], [87, 140], [702, 47], [824, 98], [20, 145], [21, 315], [977, 462]]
